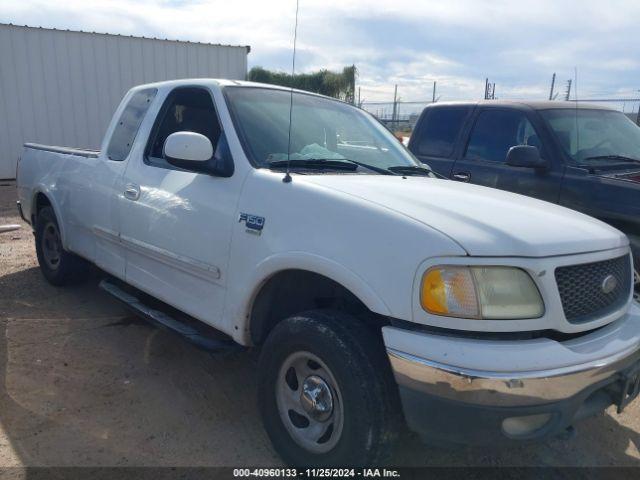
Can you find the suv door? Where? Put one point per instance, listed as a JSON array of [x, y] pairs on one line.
[[437, 135], [483, 162], [177, 224]]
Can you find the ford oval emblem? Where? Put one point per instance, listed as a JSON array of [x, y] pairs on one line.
[[609, 284]]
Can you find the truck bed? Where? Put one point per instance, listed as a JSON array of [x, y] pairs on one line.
[[48, 167], [82, 152]]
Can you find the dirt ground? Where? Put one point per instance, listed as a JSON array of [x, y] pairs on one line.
[[83, 383]]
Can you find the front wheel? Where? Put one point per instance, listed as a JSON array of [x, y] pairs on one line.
[[327, 396]]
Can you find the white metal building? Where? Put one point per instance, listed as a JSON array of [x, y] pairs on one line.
[[61, 87]]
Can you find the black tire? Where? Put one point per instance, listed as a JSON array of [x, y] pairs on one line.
[[66, 267], [357, 361]]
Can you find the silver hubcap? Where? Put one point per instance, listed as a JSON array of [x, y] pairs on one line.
[[316, 398], [51, 246], [309, 402]]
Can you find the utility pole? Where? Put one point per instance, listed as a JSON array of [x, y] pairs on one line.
[[553, 84], [489, 90], [353, 84], [567, 93], [433, 99], [395, 103]]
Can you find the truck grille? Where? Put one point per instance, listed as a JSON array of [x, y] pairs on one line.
[[585, 292]]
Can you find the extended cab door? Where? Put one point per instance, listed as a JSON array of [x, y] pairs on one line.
[[176, 224], [436, 137], [483, 161], [106, 181]]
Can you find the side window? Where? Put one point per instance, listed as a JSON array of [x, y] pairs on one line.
[[127, 128], [496, 131], [185, 109], [440, 131]]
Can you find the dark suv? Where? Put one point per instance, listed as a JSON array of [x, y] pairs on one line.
[[583, 157]]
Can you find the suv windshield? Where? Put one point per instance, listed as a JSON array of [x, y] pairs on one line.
[[322, 129], [595, 136]]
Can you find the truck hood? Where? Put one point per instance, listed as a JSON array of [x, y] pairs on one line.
[[483, 221]]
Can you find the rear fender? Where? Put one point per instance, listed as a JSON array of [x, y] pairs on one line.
[[42, 189]]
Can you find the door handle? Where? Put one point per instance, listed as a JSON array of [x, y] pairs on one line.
[[132, 191], [462, 176]]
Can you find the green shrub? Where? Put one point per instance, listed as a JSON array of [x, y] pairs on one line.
[[325, 82]]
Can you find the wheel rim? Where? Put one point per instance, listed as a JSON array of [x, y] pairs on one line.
[[636, 284], [309, 402], [51, 245]]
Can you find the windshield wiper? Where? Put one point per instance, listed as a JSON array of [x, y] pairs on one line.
[[314, 164], [613, 157], [413, 170], [329, 163], [380, 170]]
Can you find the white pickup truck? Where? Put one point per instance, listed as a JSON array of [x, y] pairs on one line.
[[378, 294]]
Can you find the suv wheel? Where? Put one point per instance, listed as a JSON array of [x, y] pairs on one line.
[[327, 396], [57, 265]]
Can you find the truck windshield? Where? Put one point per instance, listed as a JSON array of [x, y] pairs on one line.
[[595, 136], [324, 132]]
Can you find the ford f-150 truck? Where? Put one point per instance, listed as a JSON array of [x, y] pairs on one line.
[[584, 157], [377, 293]]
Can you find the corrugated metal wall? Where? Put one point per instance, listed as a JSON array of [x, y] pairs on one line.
[[60, 87]]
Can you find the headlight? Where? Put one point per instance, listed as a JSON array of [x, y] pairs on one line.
[[480, 292]]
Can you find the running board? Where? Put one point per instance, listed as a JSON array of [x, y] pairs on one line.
[[164, 320]]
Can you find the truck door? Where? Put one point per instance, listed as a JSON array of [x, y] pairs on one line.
[[176, 225], [483, 161], [435, 138], [105, 181]]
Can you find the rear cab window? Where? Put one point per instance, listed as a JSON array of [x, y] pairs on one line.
[[439, 131], [129, 123]]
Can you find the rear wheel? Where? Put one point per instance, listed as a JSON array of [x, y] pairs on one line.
[[57, 265], [327, 397]]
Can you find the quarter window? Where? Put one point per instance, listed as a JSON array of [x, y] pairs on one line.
[[496, 131], [440, 131], [128, 124]]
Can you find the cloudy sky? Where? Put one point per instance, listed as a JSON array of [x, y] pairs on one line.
[[518, 44]]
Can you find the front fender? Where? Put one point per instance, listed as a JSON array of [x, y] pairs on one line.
[[322, 266], [317, 264]]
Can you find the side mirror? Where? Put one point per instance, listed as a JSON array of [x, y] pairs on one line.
[[525, 156], [187, 150], [194, 152]]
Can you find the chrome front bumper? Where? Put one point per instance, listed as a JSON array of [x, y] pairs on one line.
[[505, 389], [512, 373]]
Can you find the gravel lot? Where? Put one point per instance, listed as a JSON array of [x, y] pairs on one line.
[[83, 383]]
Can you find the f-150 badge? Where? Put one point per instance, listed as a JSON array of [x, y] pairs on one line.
[[254, 223]]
